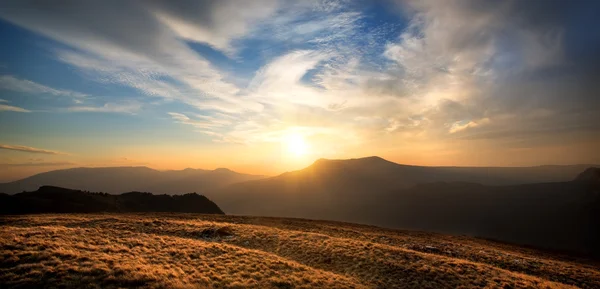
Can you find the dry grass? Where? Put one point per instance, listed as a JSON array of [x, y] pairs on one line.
[[204, 251]]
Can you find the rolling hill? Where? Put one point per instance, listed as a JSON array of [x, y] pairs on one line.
[[125, 179], [217, 251]]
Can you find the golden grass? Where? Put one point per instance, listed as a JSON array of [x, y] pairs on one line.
[[183, 251]]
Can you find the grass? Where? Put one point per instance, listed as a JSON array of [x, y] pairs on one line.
[[209, 251]]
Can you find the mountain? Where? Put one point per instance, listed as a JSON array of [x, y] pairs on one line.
[[590, 176], [204, 181], [349, 183], [548, 206], [377, 168], [557, 215], [48, 199], [371, 171], [124, 179]]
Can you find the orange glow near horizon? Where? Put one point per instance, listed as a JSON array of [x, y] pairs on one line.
[[295, 151]]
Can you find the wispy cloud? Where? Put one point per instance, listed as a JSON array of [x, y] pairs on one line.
[[131, 107], [152, 61], [439, 71], [37, 164], [451, 72], [5, 107], [216, 23], [30, 149], [463, 125], [10, 82]]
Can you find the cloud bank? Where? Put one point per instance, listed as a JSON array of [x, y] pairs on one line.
[[29, 149], [517, 74]]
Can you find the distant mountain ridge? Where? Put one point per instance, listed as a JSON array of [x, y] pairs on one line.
[[209, 182], [49, 199], [555, 207], [562, 215], [123, 179]]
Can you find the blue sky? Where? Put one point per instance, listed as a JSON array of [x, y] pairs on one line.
[[207, 84]]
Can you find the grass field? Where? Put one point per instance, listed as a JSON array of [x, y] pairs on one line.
[[209, 251]]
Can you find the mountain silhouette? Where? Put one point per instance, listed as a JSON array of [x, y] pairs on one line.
[[123, 179], [556, 215], [49, 199], [590, 176], [370, 170], [546, 206]]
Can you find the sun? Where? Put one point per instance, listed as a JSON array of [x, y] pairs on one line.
[[296, 145]]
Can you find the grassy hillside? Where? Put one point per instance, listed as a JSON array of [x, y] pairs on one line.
[[215, 251]]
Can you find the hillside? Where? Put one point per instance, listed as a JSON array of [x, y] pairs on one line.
[[212, 251], [559, 215], [126, 179], [49, 199], [371, 171]]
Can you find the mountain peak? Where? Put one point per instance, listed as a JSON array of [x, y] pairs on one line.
[[372, 161], [364, 159], [590, 175]]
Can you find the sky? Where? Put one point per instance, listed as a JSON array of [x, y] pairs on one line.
[[269, 86]]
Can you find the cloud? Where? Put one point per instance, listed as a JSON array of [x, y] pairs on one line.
[[5, 107], [455, 70], [216, 23], [10, 82], [462, 125], [184, 119], [37, 164], [135, 47], [498, 61], [29, 149], [145, 48], [130, 107], [209, 125]]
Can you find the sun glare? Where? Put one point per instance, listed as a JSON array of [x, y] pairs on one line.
[[296, 145]]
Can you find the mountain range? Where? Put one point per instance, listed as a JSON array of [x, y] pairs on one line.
[[125, 179], [363, 172], [555, 207], [562, 215]]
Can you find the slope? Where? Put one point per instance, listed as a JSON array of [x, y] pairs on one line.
[[554, 215], [49, 199], [175, 251]]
